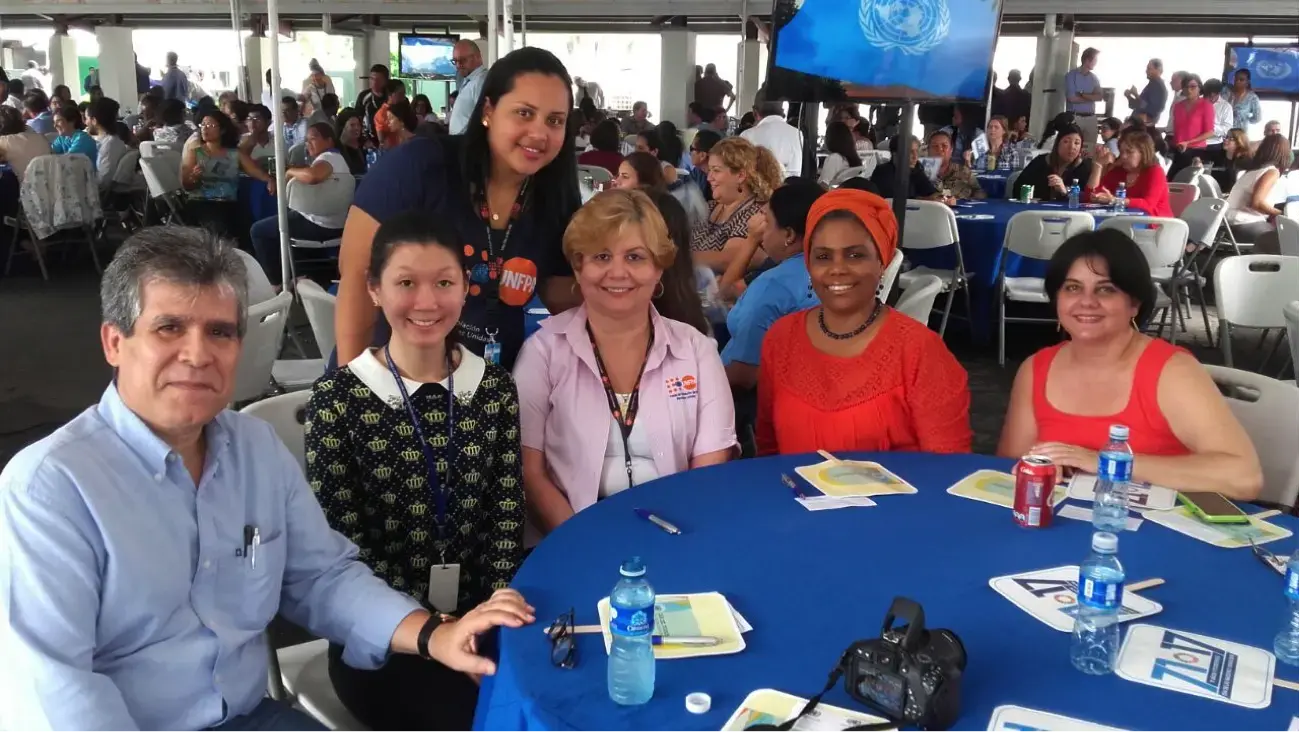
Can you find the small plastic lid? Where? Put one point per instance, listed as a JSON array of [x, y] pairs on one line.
[[1105, 542], [1119, 432], [633, 567], [698, 702]]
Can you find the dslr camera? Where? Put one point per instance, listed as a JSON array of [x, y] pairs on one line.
[[910, 674]]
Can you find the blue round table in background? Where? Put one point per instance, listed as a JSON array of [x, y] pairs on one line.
[[811, 583], [994, 182]]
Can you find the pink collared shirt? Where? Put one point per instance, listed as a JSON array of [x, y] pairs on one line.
[[685, 402]]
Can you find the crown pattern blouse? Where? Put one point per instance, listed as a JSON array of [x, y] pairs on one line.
[[365, 465]]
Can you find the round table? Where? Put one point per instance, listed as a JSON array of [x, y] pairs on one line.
[[994, 182], [811, 583]]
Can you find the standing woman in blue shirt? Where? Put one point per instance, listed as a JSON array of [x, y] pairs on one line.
[[72, 137], [1244, 101], [507, 187]]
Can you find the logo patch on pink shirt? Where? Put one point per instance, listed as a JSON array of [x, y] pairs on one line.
[[682, 387]]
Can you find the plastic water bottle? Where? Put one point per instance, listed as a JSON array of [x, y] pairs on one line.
[[1114, 471], [1095, 645], [632, 623], [1074, 193], [1286, 646], [1121, 198]]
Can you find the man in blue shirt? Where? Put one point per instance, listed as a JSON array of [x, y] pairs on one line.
[[1150, 103], [146, 545], [175, 84], [469, 64], [36, 109], [1082, 92]]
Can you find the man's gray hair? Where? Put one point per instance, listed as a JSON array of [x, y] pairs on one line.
[[769, 109], [174, 254], [1158, 64]]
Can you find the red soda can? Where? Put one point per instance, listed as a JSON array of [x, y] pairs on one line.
[[1035, 481]]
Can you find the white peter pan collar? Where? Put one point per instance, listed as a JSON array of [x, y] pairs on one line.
[[375, 375]]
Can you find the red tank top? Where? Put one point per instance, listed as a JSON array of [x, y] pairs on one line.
[[1149, 432]]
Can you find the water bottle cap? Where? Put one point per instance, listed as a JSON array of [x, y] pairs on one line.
[[633, 567], [698, 702], [1105, 542], [1119, 432]]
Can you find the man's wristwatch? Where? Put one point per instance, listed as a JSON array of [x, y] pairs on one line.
[[426, 634]]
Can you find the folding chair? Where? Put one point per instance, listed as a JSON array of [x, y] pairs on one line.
[[1011, 185], [1252, 291], [332, 196], [263, 333], [918, 298], [1266, 409], [1162, 241], [163, 182], [1034, 235], [1181, 196], [59, 196], [320, 306], [1288, 236], [933, 225], [598, 174]]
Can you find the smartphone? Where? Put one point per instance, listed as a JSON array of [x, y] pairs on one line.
[[1213, 508]]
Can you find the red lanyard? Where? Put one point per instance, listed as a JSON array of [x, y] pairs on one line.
[[625, 417]]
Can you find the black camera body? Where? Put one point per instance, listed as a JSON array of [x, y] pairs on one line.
[[910, 674]]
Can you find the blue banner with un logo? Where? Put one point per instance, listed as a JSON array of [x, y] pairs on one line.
[[1274, 70], [894, 49]]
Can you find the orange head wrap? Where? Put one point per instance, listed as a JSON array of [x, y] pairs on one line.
[[874, 212]]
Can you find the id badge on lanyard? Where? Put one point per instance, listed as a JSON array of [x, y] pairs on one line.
[[444, 579], [492, 349]]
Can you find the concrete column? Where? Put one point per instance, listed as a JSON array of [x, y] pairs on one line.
[[257, 59], [677, 74], [63, 62], [378, 47], [748, 83], [117, 65], [1054, 56]]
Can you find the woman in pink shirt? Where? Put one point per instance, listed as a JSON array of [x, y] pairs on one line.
[[1193, 122], [612, 394]]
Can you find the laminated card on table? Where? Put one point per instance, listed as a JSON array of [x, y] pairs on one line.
[[772, 707], [842, 478], [995, 487], [698, 614]]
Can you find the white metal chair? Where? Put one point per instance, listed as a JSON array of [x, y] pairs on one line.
[[1266, 408], [857, 171], [1209, 186], [933, 225], [1204, 219], [332, 196], [1162, 241], [1291, 314], [304, 669], [1288, 236], [59, 198], [1252, 290], [597, 173], [1186, 175], [1035, 235], [1181, 196], [152, 149], [259, 285], [286, 413], [1011, 185], [888, 276], [163, 182], [320, 306], [918, 297], [296, 155], [263, 332]]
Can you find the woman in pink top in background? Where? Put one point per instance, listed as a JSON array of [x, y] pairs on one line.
[[1193, 123], [611, 393]]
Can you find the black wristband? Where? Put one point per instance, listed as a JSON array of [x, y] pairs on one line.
[[426, 633]]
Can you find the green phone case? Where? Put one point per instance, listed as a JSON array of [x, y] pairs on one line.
[[1241, 518]]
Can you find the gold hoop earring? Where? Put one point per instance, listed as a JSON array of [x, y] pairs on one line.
[[661, 290]]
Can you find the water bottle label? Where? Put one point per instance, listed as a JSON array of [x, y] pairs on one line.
[[631, 622], [1292, 583], [1099, 594], [1115, 467]]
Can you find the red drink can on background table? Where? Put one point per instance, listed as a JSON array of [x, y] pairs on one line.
[[1035, 481]]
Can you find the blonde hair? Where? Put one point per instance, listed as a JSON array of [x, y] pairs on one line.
[[761, 170], [609, 214]]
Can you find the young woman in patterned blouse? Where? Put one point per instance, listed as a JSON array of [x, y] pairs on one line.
[[442, 520]]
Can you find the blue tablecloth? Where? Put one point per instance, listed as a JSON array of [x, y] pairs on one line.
[[255, 200], [812, 583], [994, 183]]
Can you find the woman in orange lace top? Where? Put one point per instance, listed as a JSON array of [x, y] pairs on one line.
[[853, 374]]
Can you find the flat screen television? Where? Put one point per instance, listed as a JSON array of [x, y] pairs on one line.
[[882, 50], [1274, 68], [425, 56]]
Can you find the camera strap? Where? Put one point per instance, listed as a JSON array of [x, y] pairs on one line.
[[831, 681]]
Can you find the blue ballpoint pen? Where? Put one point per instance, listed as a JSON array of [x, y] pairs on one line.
[[657, 521], [793, 486]]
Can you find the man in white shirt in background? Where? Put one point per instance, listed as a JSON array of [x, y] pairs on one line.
[[781, 138], [1222, 121], [100, 118], [32, 77], [469, 63]]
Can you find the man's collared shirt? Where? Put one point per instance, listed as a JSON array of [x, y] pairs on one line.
[[783, 140], [466, 100], [1078, 81], [128, 599]]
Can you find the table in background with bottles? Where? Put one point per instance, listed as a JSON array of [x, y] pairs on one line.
[[811, 583]]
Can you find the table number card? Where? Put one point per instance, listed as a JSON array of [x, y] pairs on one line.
[[1012, 717], [1198, 665], [1141, 496], [1051, 596]]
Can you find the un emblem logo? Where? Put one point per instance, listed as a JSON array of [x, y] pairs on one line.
[[911, 26]]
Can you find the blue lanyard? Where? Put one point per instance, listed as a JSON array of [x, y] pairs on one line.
[[439, 492]]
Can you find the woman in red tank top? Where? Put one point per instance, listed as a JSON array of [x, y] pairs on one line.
[[1066, 397]]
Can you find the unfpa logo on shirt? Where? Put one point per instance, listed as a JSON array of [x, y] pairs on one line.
[[518, 281], [682, 387]]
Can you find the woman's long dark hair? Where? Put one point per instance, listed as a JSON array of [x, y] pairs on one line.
[[649, 173], [554, 189], [670, 143], [839, 139], [681, 300], [1054, 161], [229, 134]]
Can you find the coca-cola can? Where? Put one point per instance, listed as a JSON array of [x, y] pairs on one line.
[[1035, 481]]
